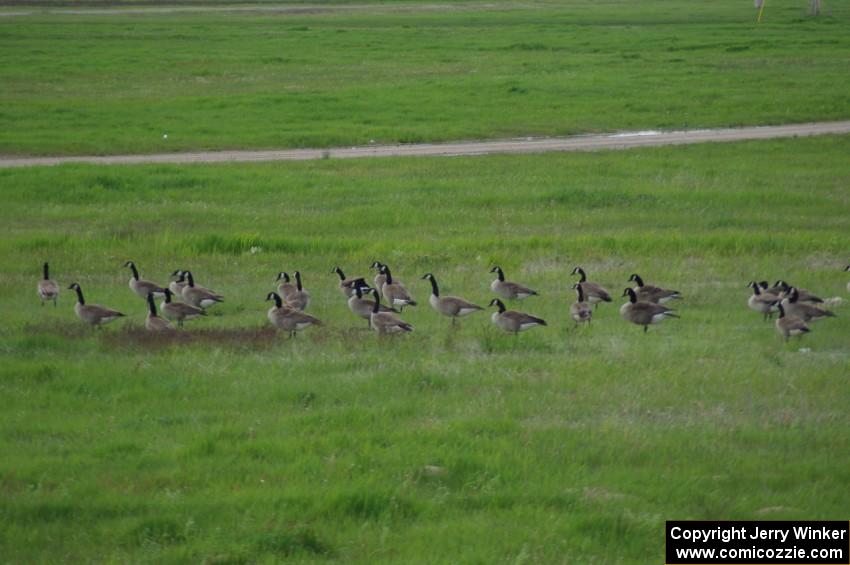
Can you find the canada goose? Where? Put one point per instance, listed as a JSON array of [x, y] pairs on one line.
[[363, 306], [199, 296], [386, 322], [347, 285], [289, 319], [788, 326], [449, 305], [142, 287], [509, 290], [153, 322], [803, 294], [176, 285], [513, 321], [806, 312], [592, 291], [286, 287], [643, 313], [579, 310], [93, 314], [47, 289], [650, 293], [394, 292], [300, 299], [179, 311], [380, 277], [762, 301]]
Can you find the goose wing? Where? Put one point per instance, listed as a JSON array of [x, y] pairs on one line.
[[594, 290], [522, 319], [456, 305]]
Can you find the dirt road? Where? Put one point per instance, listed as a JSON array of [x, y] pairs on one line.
[[626, 140]]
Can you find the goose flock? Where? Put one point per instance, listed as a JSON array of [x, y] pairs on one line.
[[382, 303]]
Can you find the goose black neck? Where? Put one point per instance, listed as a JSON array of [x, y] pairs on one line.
[[781, 310], [151, 304], [632, 296], [298, 281], [80, 298], [500, 273], [434, 289], [46, 275], [340, 273], [756, 289], [190, 279], [583, 276], [795, 296], [277, 301], [386, 271], [580, 293], [377, 305], [135, 271], [168, 294], [638, 280]]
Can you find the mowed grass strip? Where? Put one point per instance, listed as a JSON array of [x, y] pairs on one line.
[[76, 84], [233, 444]]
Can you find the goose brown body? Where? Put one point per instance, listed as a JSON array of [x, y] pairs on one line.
[[289, 319], [580, 311], [783, 289], [300, 298], [380, 277], [93, 314], [393, 292], [197, 295], [513, 321], [47, 289], [362, 306], [348, 284], [762, 301], [789, 326], [154, 322], [594, 293], [179, 311], [451, 306], [287, 287], [651, 293], [507, 289], [141, 287], [643, 313], [386, 322], [807, 312]]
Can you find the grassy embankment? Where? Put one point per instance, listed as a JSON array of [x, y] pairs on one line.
[[75, 84]]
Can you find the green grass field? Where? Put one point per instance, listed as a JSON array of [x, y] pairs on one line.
[[232, 444], [399, 72]]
